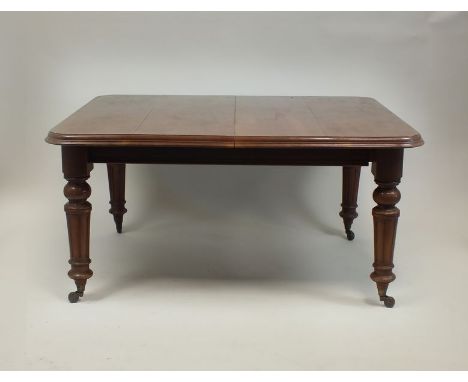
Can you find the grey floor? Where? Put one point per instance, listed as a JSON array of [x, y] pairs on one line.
[[232, 268]]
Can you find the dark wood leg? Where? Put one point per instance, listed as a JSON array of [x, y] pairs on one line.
[[349, 201], [387, 169], [76, 171], [116, 174]]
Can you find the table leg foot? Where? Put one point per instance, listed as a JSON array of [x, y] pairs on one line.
[[382, 287], [74, 297], [118, 220], [388, 301], [349, 234]]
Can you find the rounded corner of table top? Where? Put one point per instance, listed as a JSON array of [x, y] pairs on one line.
[[54, 138], [59, 139], [414, 141]]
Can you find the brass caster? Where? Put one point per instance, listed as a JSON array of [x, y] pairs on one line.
[[73, 297], [350, 234], [388, 301]]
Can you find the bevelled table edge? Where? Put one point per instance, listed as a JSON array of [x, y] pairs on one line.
[[147, 140], [140, 140], [329, 142]]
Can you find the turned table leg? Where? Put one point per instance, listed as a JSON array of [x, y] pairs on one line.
[[76, 171], [116, 175], [387, 169], [349, 197]]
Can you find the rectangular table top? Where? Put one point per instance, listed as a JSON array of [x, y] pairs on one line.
[[234, 121]]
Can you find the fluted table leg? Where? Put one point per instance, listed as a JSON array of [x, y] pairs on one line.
[[76, 171], [387, 169]]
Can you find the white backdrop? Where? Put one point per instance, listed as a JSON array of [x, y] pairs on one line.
[[233, 267]]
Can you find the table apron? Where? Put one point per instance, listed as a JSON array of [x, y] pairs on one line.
[[229, 156]]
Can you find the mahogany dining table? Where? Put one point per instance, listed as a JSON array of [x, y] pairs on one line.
[[350, 132]]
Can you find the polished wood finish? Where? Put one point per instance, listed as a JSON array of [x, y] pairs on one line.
[[349, 197], [116, 175], [295, 131], [387, 169], [76, 169], [228, 121], [319, 122], [175, 121]]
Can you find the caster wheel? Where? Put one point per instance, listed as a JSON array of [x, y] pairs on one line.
[[73, 297], [388, 301], [350, 235]]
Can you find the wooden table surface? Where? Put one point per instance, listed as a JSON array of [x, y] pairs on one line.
[[234, 121]]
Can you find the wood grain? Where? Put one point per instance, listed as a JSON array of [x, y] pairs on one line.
[[124, 120], [229, 121]]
